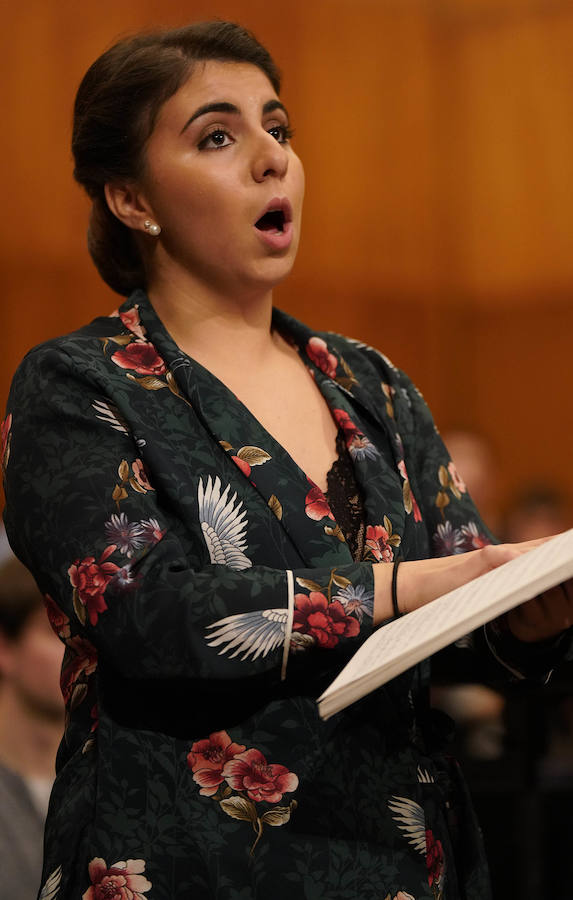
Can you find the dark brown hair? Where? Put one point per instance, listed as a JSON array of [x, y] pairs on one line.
[[115, 111]]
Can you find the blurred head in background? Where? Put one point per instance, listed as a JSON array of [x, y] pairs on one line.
[[30, 652], [476, 462], [538, 510]]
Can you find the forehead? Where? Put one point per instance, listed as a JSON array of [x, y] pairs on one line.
[[242, 84]]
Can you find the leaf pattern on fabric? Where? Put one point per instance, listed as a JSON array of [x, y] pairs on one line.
[[223, 525]]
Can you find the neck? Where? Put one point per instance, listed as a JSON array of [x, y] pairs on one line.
[[217, 330], [28, 740]]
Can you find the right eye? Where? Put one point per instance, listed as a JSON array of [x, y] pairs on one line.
[[215, 140]]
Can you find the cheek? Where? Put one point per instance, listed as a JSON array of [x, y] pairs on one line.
[[187, 197], [298, 177]]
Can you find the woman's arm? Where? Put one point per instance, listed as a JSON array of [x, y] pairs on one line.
[[421, 581], [454, 525], [126, 564]]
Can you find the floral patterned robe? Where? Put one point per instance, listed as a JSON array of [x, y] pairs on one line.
[[206, 597]]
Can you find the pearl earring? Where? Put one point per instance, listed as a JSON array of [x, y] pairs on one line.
[[152, 228]]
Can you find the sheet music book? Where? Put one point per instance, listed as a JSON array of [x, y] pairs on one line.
[[402, 643]]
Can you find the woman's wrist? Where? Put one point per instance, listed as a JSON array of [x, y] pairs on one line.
[[418, 582]]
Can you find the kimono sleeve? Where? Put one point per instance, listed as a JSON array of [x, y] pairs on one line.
[[118, 566], [455, 526]]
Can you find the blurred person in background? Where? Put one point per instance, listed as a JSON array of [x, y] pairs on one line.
[[31, 721], [477, 709], [476, 460], [536, 510]]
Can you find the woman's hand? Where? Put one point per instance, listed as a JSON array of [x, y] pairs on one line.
[[543, 617], [421, 581]]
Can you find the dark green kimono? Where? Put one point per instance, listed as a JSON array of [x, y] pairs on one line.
[[206, 597]]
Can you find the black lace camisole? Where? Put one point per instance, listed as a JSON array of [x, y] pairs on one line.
[[345, 499]]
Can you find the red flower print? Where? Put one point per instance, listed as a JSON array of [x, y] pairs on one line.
[[122, 881], [130, 319], [316, 505], [141, 475], [94, 715], [5, 440], [58, 619], [250, 772], [140, 357], [320, 355], [434, 858], [80, 660], [207, 759], [359, 446], [345, 424], [416, 509], [377, 541], [90, 579], [242, 464], [326, 622]]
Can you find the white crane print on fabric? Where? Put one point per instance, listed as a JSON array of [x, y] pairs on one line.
[[223, 525], [409, 817], [52, 886], [252, 634]]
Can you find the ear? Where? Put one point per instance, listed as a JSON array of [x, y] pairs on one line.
[[127, 202]]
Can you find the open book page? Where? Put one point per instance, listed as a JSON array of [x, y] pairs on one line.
[[402, 643]]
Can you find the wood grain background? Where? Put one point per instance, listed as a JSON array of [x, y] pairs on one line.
[[437, 137]]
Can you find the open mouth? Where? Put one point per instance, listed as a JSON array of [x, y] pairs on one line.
[[274, 220]]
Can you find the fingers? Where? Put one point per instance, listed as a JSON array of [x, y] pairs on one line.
[[545, 616], [498, 554]]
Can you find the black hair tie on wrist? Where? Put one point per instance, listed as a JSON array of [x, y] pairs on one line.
[[395, 608]]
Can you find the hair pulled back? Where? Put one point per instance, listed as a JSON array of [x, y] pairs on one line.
[[115, 111]]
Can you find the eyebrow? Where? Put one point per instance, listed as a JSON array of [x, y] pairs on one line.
[[225, 107]]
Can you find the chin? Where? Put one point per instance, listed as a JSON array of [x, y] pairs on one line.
[[273, 270]]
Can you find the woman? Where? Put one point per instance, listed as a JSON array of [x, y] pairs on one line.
[[210, 495]]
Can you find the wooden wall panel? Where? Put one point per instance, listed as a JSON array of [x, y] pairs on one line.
[[438, 145], [511, 174]]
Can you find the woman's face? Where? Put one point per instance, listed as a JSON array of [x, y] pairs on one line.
[[217, 162]]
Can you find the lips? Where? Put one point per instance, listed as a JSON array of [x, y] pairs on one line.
[[276, 216], [274, 226]]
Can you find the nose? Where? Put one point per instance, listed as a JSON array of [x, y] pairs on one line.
[[269, 158]]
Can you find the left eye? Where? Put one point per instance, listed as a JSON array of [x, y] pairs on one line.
[[280, 133], [215, 140]]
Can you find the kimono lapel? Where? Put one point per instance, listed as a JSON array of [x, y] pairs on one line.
[[231, 430], [364, 412], [330, 367]]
